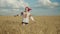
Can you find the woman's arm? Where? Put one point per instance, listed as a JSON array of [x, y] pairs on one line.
[[31, 17]]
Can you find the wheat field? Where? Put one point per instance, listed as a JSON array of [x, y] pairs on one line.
[[43, 25]]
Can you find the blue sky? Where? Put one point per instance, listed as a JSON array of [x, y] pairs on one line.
[[39, 7]]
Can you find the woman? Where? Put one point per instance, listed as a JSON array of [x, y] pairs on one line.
[[26, 15]]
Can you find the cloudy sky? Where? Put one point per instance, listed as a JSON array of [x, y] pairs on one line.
[[39, 7]]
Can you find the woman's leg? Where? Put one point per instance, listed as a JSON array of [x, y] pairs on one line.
[[23, 23]]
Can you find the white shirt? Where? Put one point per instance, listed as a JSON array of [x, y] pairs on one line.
[[25, 17]]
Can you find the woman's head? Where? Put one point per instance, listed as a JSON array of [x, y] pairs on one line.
[[27, 9]]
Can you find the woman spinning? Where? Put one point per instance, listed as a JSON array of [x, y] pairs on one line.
[[26, 16]]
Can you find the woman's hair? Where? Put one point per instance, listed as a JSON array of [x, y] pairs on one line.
[[28, 8]]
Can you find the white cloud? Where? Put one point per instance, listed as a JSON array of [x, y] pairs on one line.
[[47, 3], [13, 3], [6, 6]]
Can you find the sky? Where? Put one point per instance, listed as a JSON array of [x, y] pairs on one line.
[[39, 7]]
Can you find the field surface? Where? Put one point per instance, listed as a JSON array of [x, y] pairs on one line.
[[43, 25]]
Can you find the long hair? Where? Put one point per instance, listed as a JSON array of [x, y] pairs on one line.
[[28, 8]]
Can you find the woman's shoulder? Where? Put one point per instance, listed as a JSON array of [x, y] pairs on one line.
[[29, 13]]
